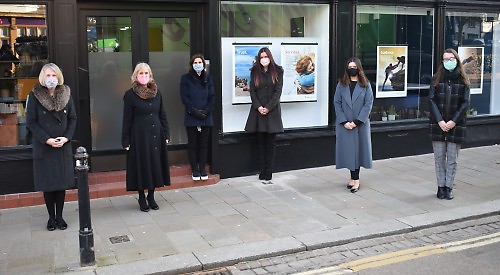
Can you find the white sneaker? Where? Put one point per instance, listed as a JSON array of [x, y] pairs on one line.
[[195, 177]]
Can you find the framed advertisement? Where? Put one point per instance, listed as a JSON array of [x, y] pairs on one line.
[[473, 62], [299, 65], [392, 80], [244, 58]]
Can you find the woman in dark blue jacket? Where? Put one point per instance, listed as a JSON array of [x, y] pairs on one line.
[[198, 97]]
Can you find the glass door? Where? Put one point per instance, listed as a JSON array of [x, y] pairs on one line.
[[115, 43]]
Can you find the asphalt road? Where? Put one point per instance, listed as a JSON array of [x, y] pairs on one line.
[[483, 260]]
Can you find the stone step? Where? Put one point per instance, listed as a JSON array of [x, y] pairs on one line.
[[107, 184]]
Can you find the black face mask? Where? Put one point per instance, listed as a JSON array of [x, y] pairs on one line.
[[352, 71]]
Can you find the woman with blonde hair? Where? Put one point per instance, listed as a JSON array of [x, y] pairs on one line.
[[145, 134], [51, 118]]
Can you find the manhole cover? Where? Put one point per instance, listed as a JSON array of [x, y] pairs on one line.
[[119, 239]]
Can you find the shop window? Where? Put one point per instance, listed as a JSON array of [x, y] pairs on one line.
[[479, 50], [291, 31], [20, 64], [395, 45]]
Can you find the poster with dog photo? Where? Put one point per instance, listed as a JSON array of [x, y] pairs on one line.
[[391, 71], [299, 78], [473, 62]]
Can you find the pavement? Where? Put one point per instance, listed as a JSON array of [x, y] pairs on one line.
[[242, 219]]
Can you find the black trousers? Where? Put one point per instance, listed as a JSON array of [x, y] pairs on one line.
[[355, 174], [198, 146], [54, 201], [267, 152]]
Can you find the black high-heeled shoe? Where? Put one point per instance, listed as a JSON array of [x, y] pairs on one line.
[[51, 224], [143, 205], [355, 189], [61, 224]]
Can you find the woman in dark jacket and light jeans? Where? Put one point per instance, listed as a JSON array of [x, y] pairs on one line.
[[264, 118], [198, 97], [449, 100]]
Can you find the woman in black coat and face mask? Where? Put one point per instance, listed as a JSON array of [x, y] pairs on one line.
[[264, 118], [198, 96], [51, 117]]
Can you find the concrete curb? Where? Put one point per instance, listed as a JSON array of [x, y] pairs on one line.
[[230, 255]]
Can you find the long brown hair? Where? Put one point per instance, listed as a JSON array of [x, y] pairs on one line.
[[257, 68], [191, 61], [439, 74], [362, 79]]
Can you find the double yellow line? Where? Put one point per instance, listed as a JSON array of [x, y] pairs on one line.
[[406, 255]]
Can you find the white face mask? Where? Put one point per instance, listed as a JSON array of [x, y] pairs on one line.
[[51, 82], [265, 61]]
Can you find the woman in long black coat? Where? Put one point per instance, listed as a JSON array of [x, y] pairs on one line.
[[51, 117], [145, 135], [264, 118]]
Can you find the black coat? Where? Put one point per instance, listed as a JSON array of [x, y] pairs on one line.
[[53, 167], [197, 93], [266, 95], [145, 130], [449, 100]]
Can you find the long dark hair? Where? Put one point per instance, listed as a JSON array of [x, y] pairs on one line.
[[439, 74], [257, 68], [191, 61], [362, 79]]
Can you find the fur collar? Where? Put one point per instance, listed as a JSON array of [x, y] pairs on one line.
[[57, 102], [145, 92]]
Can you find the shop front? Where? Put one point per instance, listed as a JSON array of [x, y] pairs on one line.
[[98, 43]]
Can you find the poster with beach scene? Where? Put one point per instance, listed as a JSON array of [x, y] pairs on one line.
[[244, 58]]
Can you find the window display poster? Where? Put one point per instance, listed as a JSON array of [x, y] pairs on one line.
[[244, 58], [472, 59], [391, 71], [299, 78]]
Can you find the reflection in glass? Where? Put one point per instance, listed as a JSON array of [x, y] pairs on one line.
[[110, 61], [405, 26], [23, 52], [169, 53], [476, 37]]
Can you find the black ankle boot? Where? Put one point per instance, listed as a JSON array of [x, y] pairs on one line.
[[151, 200], [440, 192], [448, 193], [142, 203]]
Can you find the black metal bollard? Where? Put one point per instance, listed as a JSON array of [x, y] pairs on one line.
[[87, 255]]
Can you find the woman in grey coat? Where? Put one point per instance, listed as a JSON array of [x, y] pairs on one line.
[[353, 102], [264, 118], [51, 117]]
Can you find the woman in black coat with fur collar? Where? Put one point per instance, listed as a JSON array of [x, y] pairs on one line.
[[145, 134], [51, 117]]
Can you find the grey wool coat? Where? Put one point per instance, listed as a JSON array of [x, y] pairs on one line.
[[267, 95], [353, 147], [51, 117]]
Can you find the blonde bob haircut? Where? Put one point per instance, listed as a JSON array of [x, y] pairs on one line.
[[56, 69], [140, 67]]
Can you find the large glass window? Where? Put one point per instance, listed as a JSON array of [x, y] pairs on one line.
[[476, 37], [292, 32], [395, 45], [22, 56]]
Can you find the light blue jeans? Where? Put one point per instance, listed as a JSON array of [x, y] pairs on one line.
[[445, 156]]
